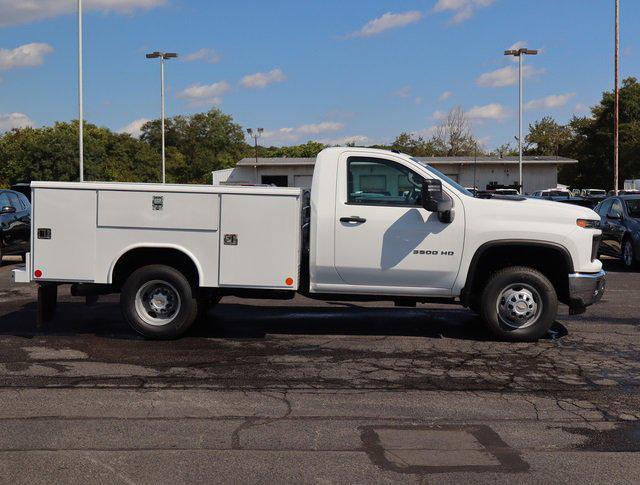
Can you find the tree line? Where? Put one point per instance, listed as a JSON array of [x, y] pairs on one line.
[[201, 143]]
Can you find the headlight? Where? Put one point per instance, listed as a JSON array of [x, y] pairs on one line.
[[588, 223]]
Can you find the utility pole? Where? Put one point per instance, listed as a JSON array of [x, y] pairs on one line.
[[255, 134], [162, 56], [616, 114], [80, 95], [520, 53]]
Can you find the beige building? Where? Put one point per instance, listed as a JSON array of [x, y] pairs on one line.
[[538, 172]]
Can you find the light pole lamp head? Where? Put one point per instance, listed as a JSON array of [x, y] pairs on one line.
[[260, 131], [169, 55], [154, 55], [520, 52], [250, 131]]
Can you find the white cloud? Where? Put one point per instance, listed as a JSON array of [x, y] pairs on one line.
[[403, 92], [14, 12], [550, 102], [205, 94], [210, 56], [462, 9], [580, 108], [261, 80], [505, 76], [386, 22], [493, 111], [292, 134], [426, 133], [445, 95], [439, 115], [135, 127], [27, 55], [14, 120], [358, 140]]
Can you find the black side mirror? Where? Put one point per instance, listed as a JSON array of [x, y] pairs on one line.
[[433, 199], [7, 210]]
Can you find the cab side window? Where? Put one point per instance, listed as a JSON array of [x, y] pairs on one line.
[[14, 201], [376, 181], [4, 200], [616, 210], [603, 210]]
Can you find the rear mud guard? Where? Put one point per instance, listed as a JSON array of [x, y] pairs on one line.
[[47, 302]]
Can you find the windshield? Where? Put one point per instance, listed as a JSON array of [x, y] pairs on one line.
[[438, 173], [633, 208]]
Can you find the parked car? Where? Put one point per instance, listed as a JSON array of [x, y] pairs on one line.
[[23, 188], [594, 193], [620, 222], [15, 224], [506, 192]]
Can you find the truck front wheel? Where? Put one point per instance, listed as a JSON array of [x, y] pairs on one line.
[[158, 302], [519, 304]]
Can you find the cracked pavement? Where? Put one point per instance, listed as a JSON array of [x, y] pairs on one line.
[[303, 391]]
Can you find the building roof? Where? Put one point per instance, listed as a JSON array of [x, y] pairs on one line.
[[541, 160]]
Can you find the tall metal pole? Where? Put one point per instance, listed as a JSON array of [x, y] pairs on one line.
[[616, 115], [80, 95], [162, 118], [520, 182]]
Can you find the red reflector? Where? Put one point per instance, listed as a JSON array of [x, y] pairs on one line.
[[37, 273], [289, 281]]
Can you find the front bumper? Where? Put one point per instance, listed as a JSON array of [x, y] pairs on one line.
[[586, 289]]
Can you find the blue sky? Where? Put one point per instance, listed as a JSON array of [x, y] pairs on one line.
[[327, 70]]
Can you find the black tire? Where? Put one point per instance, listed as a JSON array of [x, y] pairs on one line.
[[169, 287], [630, 263], [529, 321]]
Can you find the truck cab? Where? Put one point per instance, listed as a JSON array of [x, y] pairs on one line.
[[379, 225]]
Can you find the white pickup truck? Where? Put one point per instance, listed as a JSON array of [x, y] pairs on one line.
[[377, 225]]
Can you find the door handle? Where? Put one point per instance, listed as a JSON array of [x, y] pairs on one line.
[[356, 219]]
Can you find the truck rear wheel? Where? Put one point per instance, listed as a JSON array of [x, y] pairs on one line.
[[519, 304], [158, 302]]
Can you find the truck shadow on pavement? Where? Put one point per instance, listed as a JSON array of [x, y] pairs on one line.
[[240, 321]]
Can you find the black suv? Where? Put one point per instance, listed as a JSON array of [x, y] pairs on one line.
[[620, 223], [15, 223]]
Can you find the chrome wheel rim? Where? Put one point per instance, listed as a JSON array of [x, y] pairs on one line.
[[158, 303], [627, 254], [519, 306]]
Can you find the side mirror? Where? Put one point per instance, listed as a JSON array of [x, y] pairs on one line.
[[7, 210], [433, 199]]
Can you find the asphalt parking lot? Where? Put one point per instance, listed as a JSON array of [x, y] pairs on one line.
[[283, 392]]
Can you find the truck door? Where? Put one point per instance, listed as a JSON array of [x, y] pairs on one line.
[[384, 238]]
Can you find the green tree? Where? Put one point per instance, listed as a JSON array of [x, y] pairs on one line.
[[414, 145], [592, 140], [207, 141], [546, 137]]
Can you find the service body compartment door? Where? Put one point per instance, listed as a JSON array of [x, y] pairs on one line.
[[158, 210], [260, 241], [64, 234]]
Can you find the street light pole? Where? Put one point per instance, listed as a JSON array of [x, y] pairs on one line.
[[80, 95], [616, 115], [520, 53], [162, 56], [255, 134]]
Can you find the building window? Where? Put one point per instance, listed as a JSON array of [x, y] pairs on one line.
[[277, 180]]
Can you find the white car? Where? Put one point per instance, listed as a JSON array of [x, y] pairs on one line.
[[379, 225]]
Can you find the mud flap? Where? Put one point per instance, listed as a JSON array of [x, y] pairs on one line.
[[47, 302]]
